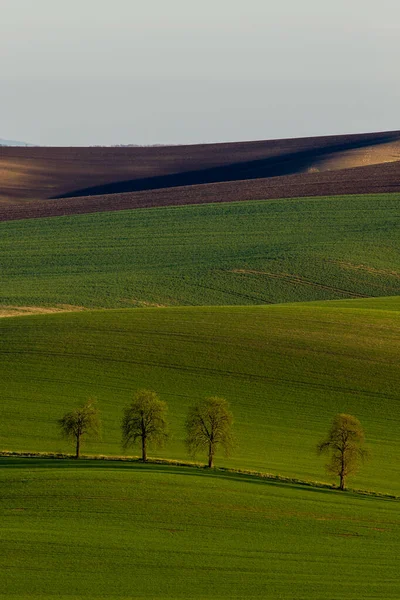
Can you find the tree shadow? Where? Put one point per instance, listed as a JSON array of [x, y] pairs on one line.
[[187, 471]]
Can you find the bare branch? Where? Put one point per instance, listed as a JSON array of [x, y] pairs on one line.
[[345, 445], [208, 425], [83, 421], [145, 420]]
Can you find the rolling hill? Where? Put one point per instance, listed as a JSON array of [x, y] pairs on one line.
[[52, 181], [289, 308], [286, 369], [90, 530], [216, 254]]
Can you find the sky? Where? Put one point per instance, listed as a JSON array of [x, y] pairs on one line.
[[105, 72]]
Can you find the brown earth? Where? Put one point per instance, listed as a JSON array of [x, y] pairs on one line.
[[38, 182]]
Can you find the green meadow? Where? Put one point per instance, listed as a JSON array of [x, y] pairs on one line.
[[263, 303], [285, 369], [218, 254], [100, 530]]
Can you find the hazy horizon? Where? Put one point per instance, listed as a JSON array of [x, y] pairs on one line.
[[101, 73]]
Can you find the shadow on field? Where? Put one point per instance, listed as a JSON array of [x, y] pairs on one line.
[[195, 471], [289, 163]]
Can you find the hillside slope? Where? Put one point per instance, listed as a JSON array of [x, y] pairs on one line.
[[98, 530], [235, 253], [286, 370], [106, 178]]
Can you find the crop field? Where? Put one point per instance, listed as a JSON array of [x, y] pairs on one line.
[[40, 172], [104, 179], [212, 286], [99, 530], [286, 370], [374, 179], [218, 254]]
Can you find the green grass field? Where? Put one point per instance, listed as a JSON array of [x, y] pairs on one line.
[[285, 369], [96, 530], [188, 286], [221, 254]]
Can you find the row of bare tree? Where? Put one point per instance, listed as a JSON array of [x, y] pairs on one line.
[[144, 421], [208, 427]]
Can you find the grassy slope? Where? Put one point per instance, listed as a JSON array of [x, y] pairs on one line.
[[239, 253], [287, 370], [122, 531], [91, 531]]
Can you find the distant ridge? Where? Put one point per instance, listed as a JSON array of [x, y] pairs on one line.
[[15, 143]]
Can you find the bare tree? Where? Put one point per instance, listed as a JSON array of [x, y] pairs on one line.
[[80, 422], [208, 426], [145, 420], [345, 445]]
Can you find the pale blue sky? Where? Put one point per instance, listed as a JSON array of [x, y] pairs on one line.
[[81, 72]]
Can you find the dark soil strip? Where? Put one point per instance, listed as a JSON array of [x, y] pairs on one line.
[[287, 163], [384, 178]]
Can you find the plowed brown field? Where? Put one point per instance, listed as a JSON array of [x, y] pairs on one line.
[[38, 182]]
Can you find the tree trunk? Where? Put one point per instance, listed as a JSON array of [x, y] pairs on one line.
[[210, 456], [342, 468], [144, 448], [78, 446]]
